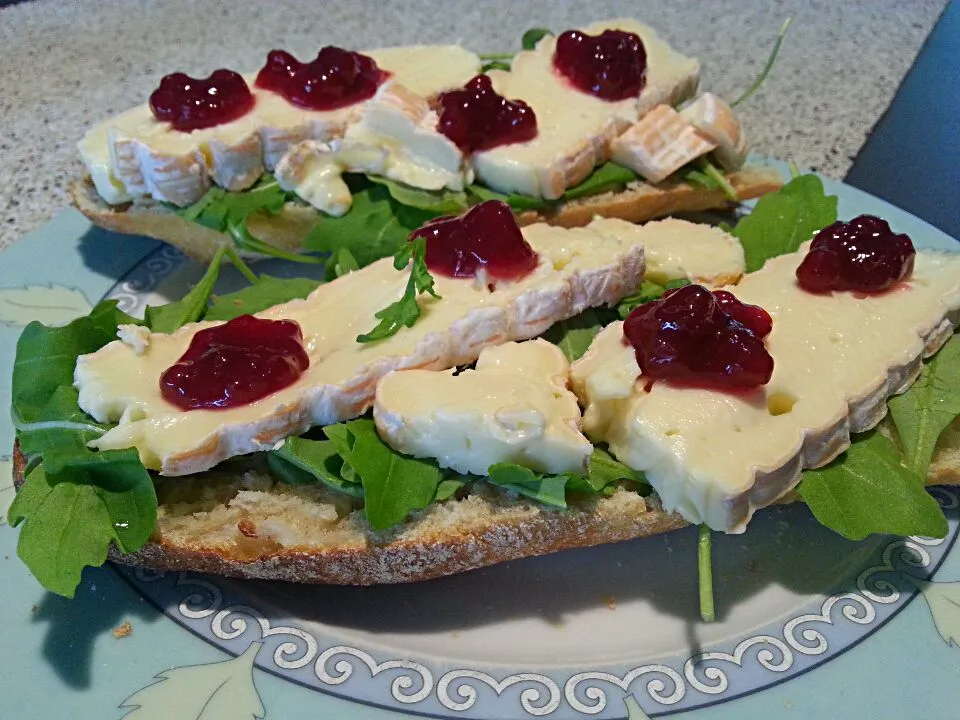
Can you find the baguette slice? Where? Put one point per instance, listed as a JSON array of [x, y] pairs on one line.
[[636, 203], [240, 522]]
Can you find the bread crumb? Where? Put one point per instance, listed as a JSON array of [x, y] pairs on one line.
[[610, 601], [123, 631], [247, 528]]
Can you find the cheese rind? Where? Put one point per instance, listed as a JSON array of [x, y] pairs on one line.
[[514, 407], [716, 457], [578, 268]]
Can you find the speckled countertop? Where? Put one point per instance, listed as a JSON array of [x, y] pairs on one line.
[[64, 65]]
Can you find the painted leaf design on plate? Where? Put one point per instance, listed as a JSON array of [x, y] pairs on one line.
[[215, 691], [50, 304], [943, 599], [6, 487], [634, 711]]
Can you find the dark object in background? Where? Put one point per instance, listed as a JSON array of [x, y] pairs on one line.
[[912, 157]]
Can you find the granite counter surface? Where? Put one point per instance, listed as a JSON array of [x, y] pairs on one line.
[[65, 65]]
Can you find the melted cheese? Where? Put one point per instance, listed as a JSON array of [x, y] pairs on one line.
[[715, 457], [514, 407], [575, 129], [133, 155], [578, 268]]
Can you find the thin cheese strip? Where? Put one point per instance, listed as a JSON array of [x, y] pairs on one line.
[[716, 457], [578, 269]]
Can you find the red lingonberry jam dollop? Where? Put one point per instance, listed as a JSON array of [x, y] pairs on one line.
[[336, 78], [863, 255], [611, 65], [234, 364], [694, 337], [192, 104], [477, 118], [486, 237]]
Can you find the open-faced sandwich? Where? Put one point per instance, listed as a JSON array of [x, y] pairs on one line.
[[307, 156], [497, 392]]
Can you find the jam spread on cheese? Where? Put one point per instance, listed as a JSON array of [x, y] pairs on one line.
[[193, 104], [611, 65], [698, 338], [485, 238], [863, 255], [236, 363], [477, 118], [335, 79]]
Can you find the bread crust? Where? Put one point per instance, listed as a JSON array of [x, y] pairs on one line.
[[636, 203], [435, 551]]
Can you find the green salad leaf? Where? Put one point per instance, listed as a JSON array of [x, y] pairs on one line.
[[844, 495], [518, 202], [169, 317], [377, 226], [300, 461], [546, 489], [394, 485], [606, 178], [784, 220], [218, 208], [532, 36], [605, 470], [573, 336], [441, 202], [648, 292], [268, 291], [70, 519], [922, 413], [406, 311]]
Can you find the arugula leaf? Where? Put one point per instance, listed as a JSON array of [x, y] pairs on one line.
[[341, 263], [843, 495], [300, 461], [268, 291], [71, 518], [755, 85], [495, 65], [441, 202], [606, 178], [605, 470], [717, 178], [394, 485], [546, 489], [218, 208], [923, 412], [574, 335], [532, 36], [648, 292], [243, 239], [705, 572], [169, 317], [450, 487], [376, 226], [405, 311], [517, 202], [783, 220]]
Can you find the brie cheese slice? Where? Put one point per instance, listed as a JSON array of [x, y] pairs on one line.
[[577, 269], [715, 457], [514, 407]]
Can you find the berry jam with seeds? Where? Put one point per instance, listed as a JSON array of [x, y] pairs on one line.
[[193, 104], [863, 255], [610, 66], [235, 364], [477, 118], [335, 79], [485, 238], [698, 338]]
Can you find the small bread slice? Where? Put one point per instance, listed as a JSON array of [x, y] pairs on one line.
[[637, 202], [240, 522]]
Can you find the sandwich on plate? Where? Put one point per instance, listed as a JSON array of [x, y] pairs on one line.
[[494, 392], [310, 156]]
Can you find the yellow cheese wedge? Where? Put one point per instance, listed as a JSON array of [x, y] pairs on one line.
[[715, 457]]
